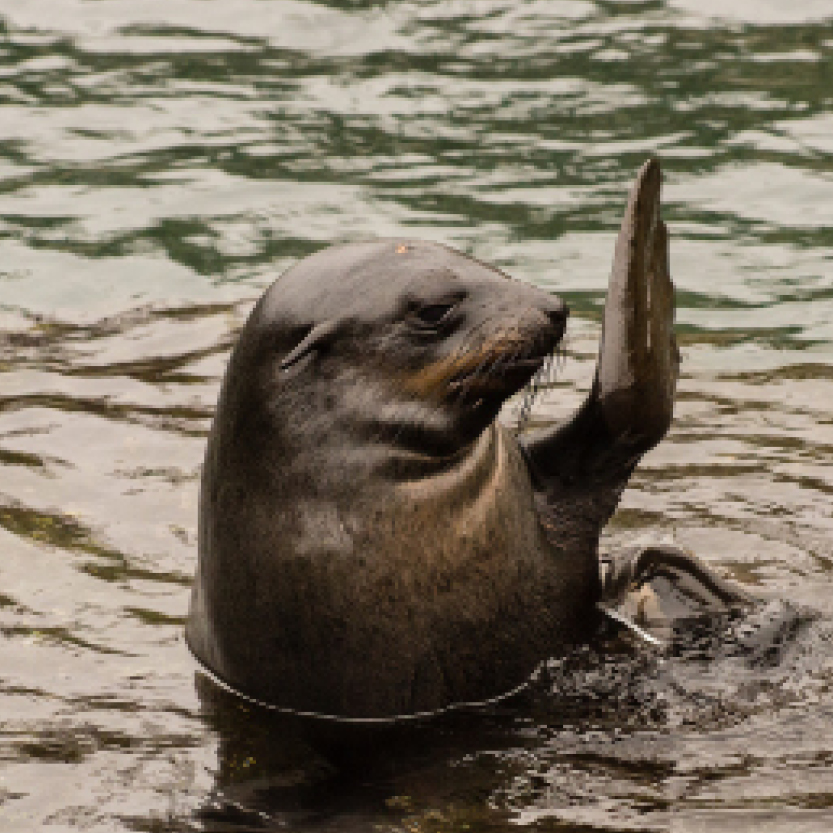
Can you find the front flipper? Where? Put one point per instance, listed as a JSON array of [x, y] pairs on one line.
[[630, 406]]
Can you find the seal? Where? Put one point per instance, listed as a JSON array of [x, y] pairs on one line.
[[372, 542]]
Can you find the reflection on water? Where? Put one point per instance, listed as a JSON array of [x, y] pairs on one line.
[[162, 162]]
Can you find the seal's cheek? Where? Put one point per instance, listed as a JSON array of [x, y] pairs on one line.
[[449, 376], [430, 382]]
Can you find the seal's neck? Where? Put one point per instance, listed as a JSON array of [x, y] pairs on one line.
[[473, 461], [372, 427]]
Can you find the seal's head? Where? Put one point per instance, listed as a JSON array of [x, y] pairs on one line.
[[396, 341], [368, 538]]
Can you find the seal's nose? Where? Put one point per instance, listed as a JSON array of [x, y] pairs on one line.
[[558, 312]]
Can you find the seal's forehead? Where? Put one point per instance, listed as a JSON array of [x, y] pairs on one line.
[[358, 278]]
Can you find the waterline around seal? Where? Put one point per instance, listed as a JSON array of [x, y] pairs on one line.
[[361, 721]]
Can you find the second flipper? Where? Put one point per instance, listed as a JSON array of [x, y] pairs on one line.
[[650, 589]]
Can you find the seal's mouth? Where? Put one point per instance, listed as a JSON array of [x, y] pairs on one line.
[[471, 386], [478, 392], [501, 378]]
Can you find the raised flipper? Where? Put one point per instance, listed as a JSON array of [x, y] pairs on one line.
[[581, 467], [630, 405]]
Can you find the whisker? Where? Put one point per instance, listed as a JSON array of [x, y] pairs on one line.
[[475, 374], [489, 364], [475, 362], [457, 358], [502, 360], [543, 378]]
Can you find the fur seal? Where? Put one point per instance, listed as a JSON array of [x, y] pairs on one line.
[[372, 543]]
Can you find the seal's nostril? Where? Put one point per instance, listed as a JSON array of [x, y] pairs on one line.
[[558, 312]]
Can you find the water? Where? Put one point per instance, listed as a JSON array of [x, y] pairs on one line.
[[162, 162]]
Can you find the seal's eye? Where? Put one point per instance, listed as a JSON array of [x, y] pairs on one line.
[[433, 314]]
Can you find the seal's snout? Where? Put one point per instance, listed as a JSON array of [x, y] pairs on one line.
[[558, 312]]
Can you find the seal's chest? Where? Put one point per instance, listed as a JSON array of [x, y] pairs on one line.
[[479, 513]]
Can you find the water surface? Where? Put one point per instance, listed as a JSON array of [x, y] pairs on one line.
[[162, 162]]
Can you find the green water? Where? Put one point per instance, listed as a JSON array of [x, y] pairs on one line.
[[162, 162]]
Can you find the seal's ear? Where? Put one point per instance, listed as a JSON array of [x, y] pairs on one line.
[[319, 336]]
